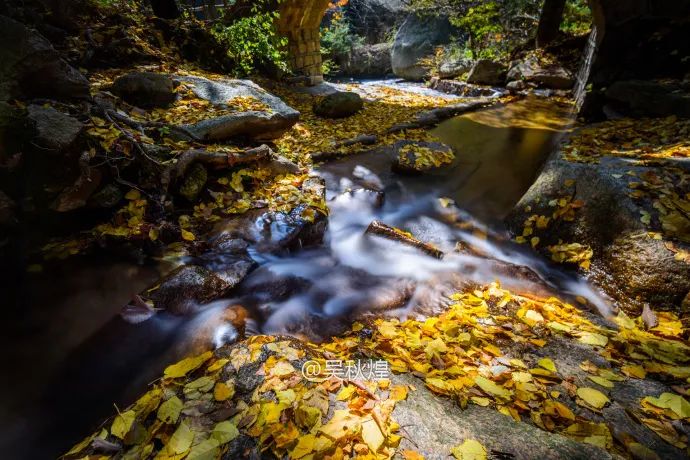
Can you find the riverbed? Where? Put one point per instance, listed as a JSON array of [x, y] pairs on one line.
[[80, 357]]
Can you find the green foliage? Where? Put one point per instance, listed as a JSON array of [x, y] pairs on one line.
[[577, 18], [482, 24], [495, 27], [253, 40], [337, 38]]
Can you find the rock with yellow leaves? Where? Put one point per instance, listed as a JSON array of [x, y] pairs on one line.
[[415, 157], [605, 198], [267, 118]]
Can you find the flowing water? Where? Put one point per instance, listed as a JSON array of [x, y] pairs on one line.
[[89, 360]]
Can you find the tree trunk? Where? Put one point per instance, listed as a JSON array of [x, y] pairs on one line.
[[166, 9], [550, 22]]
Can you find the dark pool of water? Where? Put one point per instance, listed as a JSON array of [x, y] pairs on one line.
[[500, 151]]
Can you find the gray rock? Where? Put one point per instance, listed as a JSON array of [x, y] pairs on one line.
[[107, 197], [256, 125], [187, 288], [53, 129], [194, 182], [340, 104], [367, 61], [437, 424], [460, 88], [416, 39], [31, 67], [404, 163], [531, 71], [627, 264], [644, 268], [487, 72], [454, 68], [269, 231], [280, 166], [515, 86], [650, 98], [145, 89]]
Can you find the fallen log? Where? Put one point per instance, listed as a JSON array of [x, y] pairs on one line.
[[435, 116], [386, 231], [364, 139], [219, 160]]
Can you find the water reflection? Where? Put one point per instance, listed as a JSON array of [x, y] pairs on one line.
[[500, 151]]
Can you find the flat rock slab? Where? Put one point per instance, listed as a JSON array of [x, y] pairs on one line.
[[433, 425], [253, 124]]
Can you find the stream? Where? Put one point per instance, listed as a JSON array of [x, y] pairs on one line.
[[79, 357]]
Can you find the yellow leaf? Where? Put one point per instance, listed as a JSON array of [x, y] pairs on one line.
[[307, 416], [411, 455], [490, 387], [601, 381], [187, 365], [153, 234], [133, 194], [223, 391], [398, 393], [672, 401], [591, 338], [170, 410], [346, 393], [547, 364], [371, 434], [224, 432], [123, 424], [469, 450], [480, 401], [205, 450], [634, 371], [180, 441], [592, 397], [304, 447], [341, 424], [187, 235]]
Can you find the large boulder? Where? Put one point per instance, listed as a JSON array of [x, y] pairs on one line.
[[145, 89], [54, 130], [340, 104], [628, 259], [532, 71], [650, 98], [487, 72], [416, 39], [31, 67], [367, 61], [254, 124]]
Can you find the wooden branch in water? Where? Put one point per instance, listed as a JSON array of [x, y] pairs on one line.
[[386, 231]]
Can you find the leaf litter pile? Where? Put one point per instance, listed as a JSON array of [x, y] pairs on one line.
[[486, 349]]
